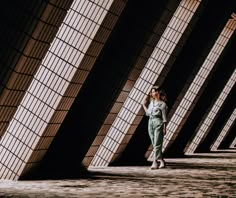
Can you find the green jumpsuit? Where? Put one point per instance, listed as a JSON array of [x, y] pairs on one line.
[[157, 117]]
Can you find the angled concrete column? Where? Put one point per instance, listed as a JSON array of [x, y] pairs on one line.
[[192, 93], [163, 12], [227, 142], [123, 124], [205, 126], [233, 144], [58, 80], [224, 131], [223, 115], [30, 40]]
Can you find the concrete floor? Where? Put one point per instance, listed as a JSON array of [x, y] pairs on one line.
[[201, 175]]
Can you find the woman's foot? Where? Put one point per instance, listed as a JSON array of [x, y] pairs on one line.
[[162, 163], [154, 165]]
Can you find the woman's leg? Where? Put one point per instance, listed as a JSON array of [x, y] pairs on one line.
[[158, 141], [151, 132]]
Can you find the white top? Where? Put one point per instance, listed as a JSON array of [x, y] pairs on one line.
[[157, 109]]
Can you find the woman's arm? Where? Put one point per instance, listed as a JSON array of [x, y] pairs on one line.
[[145, 105], [164, 128], [164, 112], [164, 117]]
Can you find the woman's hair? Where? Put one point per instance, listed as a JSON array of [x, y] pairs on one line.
[[162, 93]]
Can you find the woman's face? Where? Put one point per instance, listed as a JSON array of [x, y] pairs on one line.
[[155, 94]]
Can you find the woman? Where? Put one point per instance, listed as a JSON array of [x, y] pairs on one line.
[[156, 110]]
